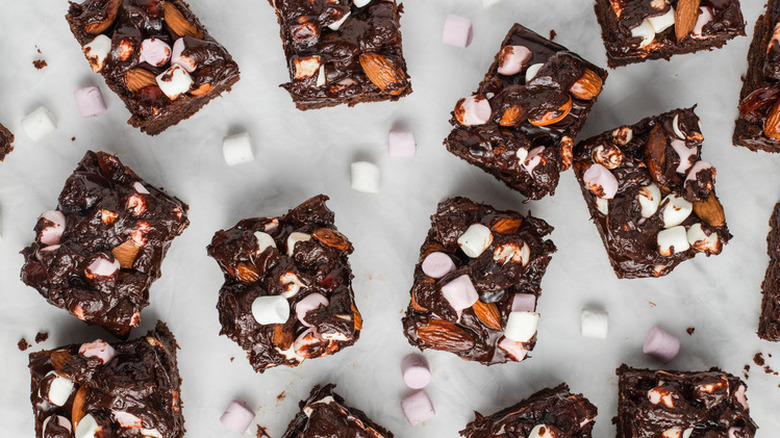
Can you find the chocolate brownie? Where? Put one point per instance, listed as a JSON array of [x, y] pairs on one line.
[[324, 414], [676, 404], [342, 51], [521, 123], [288, 293], [769, 323], [650, 195], [6, 142], [758, 125], [97, 255], [551, 412], [636, 30], [155, 55], [96, 389], [477, 281]]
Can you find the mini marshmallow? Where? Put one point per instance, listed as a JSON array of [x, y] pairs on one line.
[[417, 408], [533, 159], [458, 31], [506, 252], [294, 238], [600, 181], [97, 51], [521, 326], [473, 111], [183, 61], [649, 199], [513, 59], [735, 432], [645, 31], [140, 189], [475, 240], [360, 3], [705, 16], [99, 349], [523, 302], [676, 127], [156, 52], [672, 240], [662, 22], [701, 241], [89, 101], [401, 143], [739, 394], [685, 153], [60, 389], [661, 345], [675, 210], [174, 81], [322, 77], [61, 421], [698, 167], [531, 72], [237, 149], [594, 324], [39, 123], [291, 283], [55, 227], [307, 304], [365, 177], [437, 265], [415, 371], [264, 241], [88, 427], [541, 431], [102, 267], [514, 349], [460, 293], [127, 420], [602, 205], [237, 417], [336, 25], [521, 155], [270, 309]]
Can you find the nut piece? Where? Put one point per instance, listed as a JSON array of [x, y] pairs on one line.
[[710, 211], [610, 156], [567, 152], [444, 335], [488, 314], [383, 73], [126, 253], [685, 17], [306, 67], [138, 79], [247, 273], [772, 124], [655, 153], [622, 136], [588, 86], [112, 8], [512, 116], [332, 238], [553, 117], [178, 24], [507, 225]]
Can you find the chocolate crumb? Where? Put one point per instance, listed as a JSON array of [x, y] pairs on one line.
[[690, 330], [23, 345], [41, 337], [38, 49], [281, 396], [40, 64], [758, 359], [73, 139], [232, 358], [552, 34], [261, 432], [747, 368], [652, 304]]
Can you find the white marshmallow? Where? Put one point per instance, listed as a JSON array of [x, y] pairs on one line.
[[521, 155], [336, 25], [533, 159], [322, 79], [672, 432], [88, 427], [662, 22], [698, 167], [532, 70], [99, 349], [701, 241], [264, 241], [237, 149], [365, 177], [512, 252], [649, 199], [473, 111], [521, 326], [685, 153], [475, 240], [292, 284], [139, 188], [174, 81], [687, 433], [151, 433], [594, 324], [183, 61], [52, 232], [39, 123], [541, 431], [460, 293], [512, 59], [672, 240], [97, 51], [360, 3], [127, 420], [675, 210], [602, 205], [646, 32], [60, 389], [294, 238], [676, 127], [270, 309]]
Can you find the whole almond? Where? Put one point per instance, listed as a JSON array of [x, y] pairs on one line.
[[587, 87], [358, 318], [282, 337], [444, 335], [138, 79], [383, 73], [332, 238], [513, 116], [488, 314], [247, 273], [111, 8], [772, 124], [178, 24], [685, 17], [508, 225], [553, 117], [202, 90], [58, 358], [710, 211], [416, 306], [126, 253], [655, 153], [77, 410]]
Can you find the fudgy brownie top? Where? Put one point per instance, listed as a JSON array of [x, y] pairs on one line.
[[288, 293], [97, 255], [6, 142]]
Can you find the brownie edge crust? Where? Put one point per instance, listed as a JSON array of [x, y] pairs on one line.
[[769, 322]]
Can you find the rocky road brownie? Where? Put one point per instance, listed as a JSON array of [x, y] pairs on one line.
[[155, 55], [521, 123], [758, 125], [97, 255], [342, 51], [769, 323], [477, 281], [676, 404], [636, 30], [551, 412], [6, 142], [288, 293], [650, 195], [96, 389], [324, 414]]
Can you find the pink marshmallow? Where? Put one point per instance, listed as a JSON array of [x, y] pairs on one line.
[[415, 371], [533, 159], [458, 31], [600, 181], [697, 167], [473, 111], [307, 304], [401, 143], [237, 417], [514, 349], [513, 59], [89, 101], [735, 432], [661, 345], [685, 153], [705, 16], [155, 51], [460, 293], [61, 421], [54, 227], [739, 394], [127, 420], [102, 267], [437, 265], [523, 303], [99, 349], [417, 408], [139, 188], [178, 59]]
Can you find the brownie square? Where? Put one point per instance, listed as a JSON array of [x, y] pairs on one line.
[[681, 404], [298, 262], [551, 412], [342, 52], [125, 389], [6, 142], [526, 140], [503, 281], [650, 195], [324, 414], [758, 124], [636, 30], [769, 322], [159, 87], [97, 255]]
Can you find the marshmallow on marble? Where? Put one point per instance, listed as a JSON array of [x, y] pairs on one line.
[[415, 371], [473, 111], [88, 427], [476, 239], [417, 408], [60, 388], [512, 60], [533, 159], [264, 241], [365, 177], [60, 420], [156, 52], [515, 350], [177, 58], [237, 149], [270, 309], [401, 143], [437, 265], [675, 210], [102, 267], [97, 51], [174, 81], [645, 31], [54, 227], [701, 241], [594, 324], [294, 238], [705, 16], [237, 417], [521, 326], [685, 153], [89, 101], [523, 302], [460, 293], [99, 349], [649, 200], [458, 31], [39, 123], [662, 22], [661, 345], [672, 240], [531, 72], [309, 303], [600, 181]]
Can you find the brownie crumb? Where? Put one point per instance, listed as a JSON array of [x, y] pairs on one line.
[[553, 34], [232, 358], [23, 345], [38, 49], [652, 304], [690, 330], [758, 359], [40, 64], [747, 368], [41, 337], [261, 432], [73, 139], [281, 396]]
